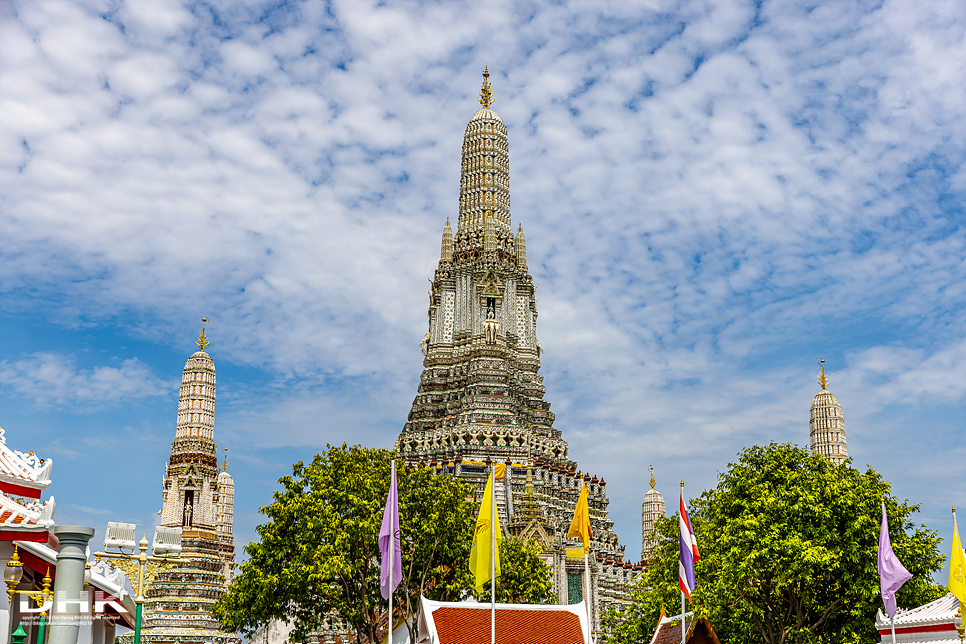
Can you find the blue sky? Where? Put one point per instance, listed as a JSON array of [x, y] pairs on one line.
[[715, 196]]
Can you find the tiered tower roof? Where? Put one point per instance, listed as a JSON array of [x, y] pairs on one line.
[[827, 425]]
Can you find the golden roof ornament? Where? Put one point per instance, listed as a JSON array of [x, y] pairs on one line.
[[822, 380], [486, 98], [653, 482], [202, 340], [224, 464]]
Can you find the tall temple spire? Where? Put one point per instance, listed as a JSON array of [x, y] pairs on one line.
[[481, 397], [482, 339], [196, 494], [446, 248], [826, 424], [652, 509], [521, 244]]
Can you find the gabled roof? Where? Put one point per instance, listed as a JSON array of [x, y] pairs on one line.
[[935, 622], [668, 630], [469, 623], [18, 521], [23, 474]]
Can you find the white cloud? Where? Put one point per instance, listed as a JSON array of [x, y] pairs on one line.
[[51, 379], [715, 194]]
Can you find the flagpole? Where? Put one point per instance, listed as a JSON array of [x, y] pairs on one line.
[[590, 623], [683, 627], [392, 542], [493, 555], [683, 620]]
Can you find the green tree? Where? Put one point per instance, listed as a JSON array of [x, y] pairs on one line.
[[524, 577], [657, 588], [788, 553], [318, 552]]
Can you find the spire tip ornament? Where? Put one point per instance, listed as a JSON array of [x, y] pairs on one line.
[[224, 464], [202, 340], [486, 97], [823, 380], [653, 482]]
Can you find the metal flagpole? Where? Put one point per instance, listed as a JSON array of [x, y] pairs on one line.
[[893, 618], [493, 555], [392, 543], [683, 620], [587, 599], [683, 628]]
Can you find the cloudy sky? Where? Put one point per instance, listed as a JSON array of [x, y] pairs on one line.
[[716, 194]]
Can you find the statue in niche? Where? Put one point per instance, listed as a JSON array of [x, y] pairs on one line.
[[491, 326], [424, 345], [188, 510]]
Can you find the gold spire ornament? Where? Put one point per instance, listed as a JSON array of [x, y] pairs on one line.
[[486, 98], [202, 340], [653, 482], [822, 380], [224, 464]]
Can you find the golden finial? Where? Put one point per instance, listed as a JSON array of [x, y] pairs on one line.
[[520, 228], [653, 482], [447, 221], [224, 464], [202, 340], [822, 380], [486, 98]]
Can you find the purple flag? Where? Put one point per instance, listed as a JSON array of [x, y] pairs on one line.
[[389, 541], [892, 574]]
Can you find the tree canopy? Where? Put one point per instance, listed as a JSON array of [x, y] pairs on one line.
[[525, 578], [318, 553], [788, 553]]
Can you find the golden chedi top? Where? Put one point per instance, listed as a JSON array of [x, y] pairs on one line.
[[486, 98], [827, 424], [202, 340]]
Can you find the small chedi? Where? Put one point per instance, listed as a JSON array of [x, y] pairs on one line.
[[826, 425], [198, 497], [652, 509], [480, 396]]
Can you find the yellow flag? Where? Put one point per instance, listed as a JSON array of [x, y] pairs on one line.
[[580, 526], [957, 565], [500, 471], [480, 554]]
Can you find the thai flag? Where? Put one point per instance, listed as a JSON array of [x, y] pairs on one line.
[[689, 552]]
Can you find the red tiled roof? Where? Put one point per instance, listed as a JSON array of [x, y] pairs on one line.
[[519, 626]]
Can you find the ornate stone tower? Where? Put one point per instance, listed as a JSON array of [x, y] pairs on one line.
[[652, 509], [480, 395], [224, 514], [827, 425], [178, 606]]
